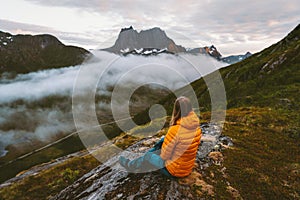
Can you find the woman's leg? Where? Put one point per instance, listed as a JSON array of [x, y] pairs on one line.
[[151, 157], [157, 146], [148, 160], [143, 162], [165, 172]]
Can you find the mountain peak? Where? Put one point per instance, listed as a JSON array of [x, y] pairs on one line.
[[129, 39], [248, 54], [126, 29]]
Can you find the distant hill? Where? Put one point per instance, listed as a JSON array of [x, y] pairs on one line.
[[27, 53], [235, 58]]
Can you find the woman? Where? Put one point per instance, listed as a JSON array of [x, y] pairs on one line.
[[175, 154]]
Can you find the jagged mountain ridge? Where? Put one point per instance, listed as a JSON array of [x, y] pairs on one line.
[[155, 41], [212, 51], [27, 53]]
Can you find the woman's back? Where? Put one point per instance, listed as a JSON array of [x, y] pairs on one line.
[[181, 144], [179, 148]]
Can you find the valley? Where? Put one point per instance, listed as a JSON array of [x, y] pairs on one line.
[[262, 119]]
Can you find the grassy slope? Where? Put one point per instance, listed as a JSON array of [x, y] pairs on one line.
[[264, 162], [246, 84], [51, 181], [71, 145]]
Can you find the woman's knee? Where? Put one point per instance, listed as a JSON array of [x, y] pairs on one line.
[[148, 155]]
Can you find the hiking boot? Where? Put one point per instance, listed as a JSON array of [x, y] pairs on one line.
[[124, 162]]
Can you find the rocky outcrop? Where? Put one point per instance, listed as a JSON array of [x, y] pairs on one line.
[[211, 51], [27, 53], [111, 181], [129, 39]]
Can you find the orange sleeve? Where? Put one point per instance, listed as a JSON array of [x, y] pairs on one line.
[[169, 144]]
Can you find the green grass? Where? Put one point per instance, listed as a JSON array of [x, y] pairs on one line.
[[51, 181], [260, 163], [264, 161], [68, 146]]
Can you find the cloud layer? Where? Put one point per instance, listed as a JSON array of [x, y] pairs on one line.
[[36, 85]]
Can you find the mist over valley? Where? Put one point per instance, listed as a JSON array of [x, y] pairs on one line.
[[36, 108]]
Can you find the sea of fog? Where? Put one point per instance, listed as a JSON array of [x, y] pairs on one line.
[[37, 106]]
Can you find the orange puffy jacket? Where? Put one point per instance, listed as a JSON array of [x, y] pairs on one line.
[[181, 144]]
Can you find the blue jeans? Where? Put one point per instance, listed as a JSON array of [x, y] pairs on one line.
[[151, 157]]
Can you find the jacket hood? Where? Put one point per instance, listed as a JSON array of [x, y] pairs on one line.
[[191, 121]]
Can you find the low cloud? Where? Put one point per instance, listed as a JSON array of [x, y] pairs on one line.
[[36, 85], [37, 106]]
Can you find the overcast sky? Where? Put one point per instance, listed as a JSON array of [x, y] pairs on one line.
[[233, 26]]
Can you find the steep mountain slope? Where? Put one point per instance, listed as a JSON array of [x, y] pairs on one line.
[[268, 78], [27, 53]]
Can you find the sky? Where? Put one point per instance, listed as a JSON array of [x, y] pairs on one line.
[[233, 26]]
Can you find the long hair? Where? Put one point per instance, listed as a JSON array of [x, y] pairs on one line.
[[182, 107]]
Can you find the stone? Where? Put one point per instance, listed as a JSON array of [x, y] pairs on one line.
[[216, 157], [234, 192]]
